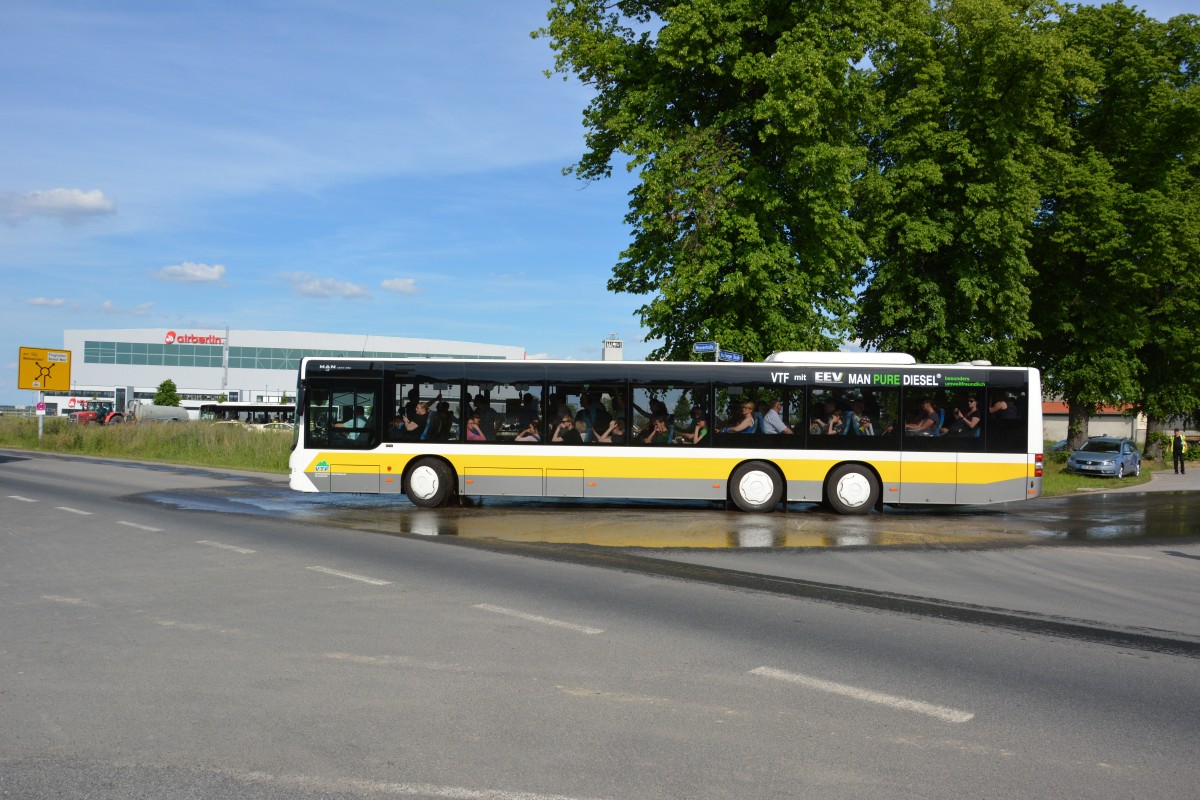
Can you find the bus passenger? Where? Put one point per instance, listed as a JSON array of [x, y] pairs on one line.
[[413, 427], [745, 422], [410, 408], [489, 418], [657, 433], [836, 424], [593, 414], [615, 432], [442, 423], [530, 433], [965, 423], [818, 422], [696, 434], [565, 432], [474, 432], [862, 425], [773, 420], [926, 423]]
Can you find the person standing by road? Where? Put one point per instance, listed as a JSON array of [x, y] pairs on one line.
[[1179, 453]]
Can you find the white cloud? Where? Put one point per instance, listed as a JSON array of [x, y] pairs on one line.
[[189, 272], [67, 205], [48, 302], [401, 285], [137, 311], [312, 286]]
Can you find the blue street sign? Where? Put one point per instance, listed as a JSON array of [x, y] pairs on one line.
[[729, 355], [704, 347]]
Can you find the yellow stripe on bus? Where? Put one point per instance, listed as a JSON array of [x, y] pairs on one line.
[[649, 466]]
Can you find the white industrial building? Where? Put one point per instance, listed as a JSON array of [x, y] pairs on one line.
[[123, 365]]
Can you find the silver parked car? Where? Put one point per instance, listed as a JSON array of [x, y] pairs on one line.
[[1107, 456]]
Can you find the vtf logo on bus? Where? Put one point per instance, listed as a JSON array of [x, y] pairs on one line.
[[862, 378], [322, 466], [190, 338]]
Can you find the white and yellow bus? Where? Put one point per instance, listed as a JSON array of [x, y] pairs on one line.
[[853, 431]]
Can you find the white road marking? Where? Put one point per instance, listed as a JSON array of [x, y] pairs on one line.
[[74, 511], [58, 598], [22, 499], [191, 626], [226, 546], [544, 620], [139, 527], [397, 661], [866, 695], [351, 576]]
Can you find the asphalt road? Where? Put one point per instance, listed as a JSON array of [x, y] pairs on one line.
[[148, 650]]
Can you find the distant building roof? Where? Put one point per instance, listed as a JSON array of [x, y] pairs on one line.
[[1058, 407]]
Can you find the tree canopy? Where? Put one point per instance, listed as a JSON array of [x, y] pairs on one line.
[[743, 121], [958, 179], [167, 394]]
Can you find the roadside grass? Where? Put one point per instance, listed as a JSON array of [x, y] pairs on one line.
[[201, 444]]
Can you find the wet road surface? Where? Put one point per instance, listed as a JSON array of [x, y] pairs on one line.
[[1107, 517]]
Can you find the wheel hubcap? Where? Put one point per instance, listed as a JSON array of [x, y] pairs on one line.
[[853, 489], [424, 482], [756, 487]]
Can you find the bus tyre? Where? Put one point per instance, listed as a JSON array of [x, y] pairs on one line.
[[756, 486], [430, 483], [852, 489]]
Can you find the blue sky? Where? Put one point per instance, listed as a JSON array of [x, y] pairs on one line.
[[379, 167]]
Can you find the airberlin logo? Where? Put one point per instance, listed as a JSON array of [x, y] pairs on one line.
[[191, 338]]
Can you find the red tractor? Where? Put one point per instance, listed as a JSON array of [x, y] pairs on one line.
[[97, 412]]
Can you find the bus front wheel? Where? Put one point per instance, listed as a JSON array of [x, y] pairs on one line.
[[430, 483], [756, 486], [852, 489]]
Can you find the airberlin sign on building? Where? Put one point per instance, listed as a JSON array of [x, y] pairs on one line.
[[191, 338]]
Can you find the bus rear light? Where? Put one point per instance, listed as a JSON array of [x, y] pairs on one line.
[[1038, 465]]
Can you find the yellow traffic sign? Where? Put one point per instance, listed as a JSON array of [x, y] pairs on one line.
[[44, 370]]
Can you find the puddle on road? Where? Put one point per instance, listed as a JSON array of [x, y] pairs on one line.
[[657, 524]]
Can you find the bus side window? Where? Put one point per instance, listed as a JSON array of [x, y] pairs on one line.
[[1005, 420], [853, 418], [662, 412], [426, 412]]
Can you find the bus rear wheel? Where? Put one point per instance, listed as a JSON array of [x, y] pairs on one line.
[[756, 486], [430, 483], [852, 489]]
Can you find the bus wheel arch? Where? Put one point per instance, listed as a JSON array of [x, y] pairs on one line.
[[853, 488], [430, 482], [756, 486]]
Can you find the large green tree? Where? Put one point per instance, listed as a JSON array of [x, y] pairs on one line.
[[1116, 245], [743, 120], [968, 103]]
